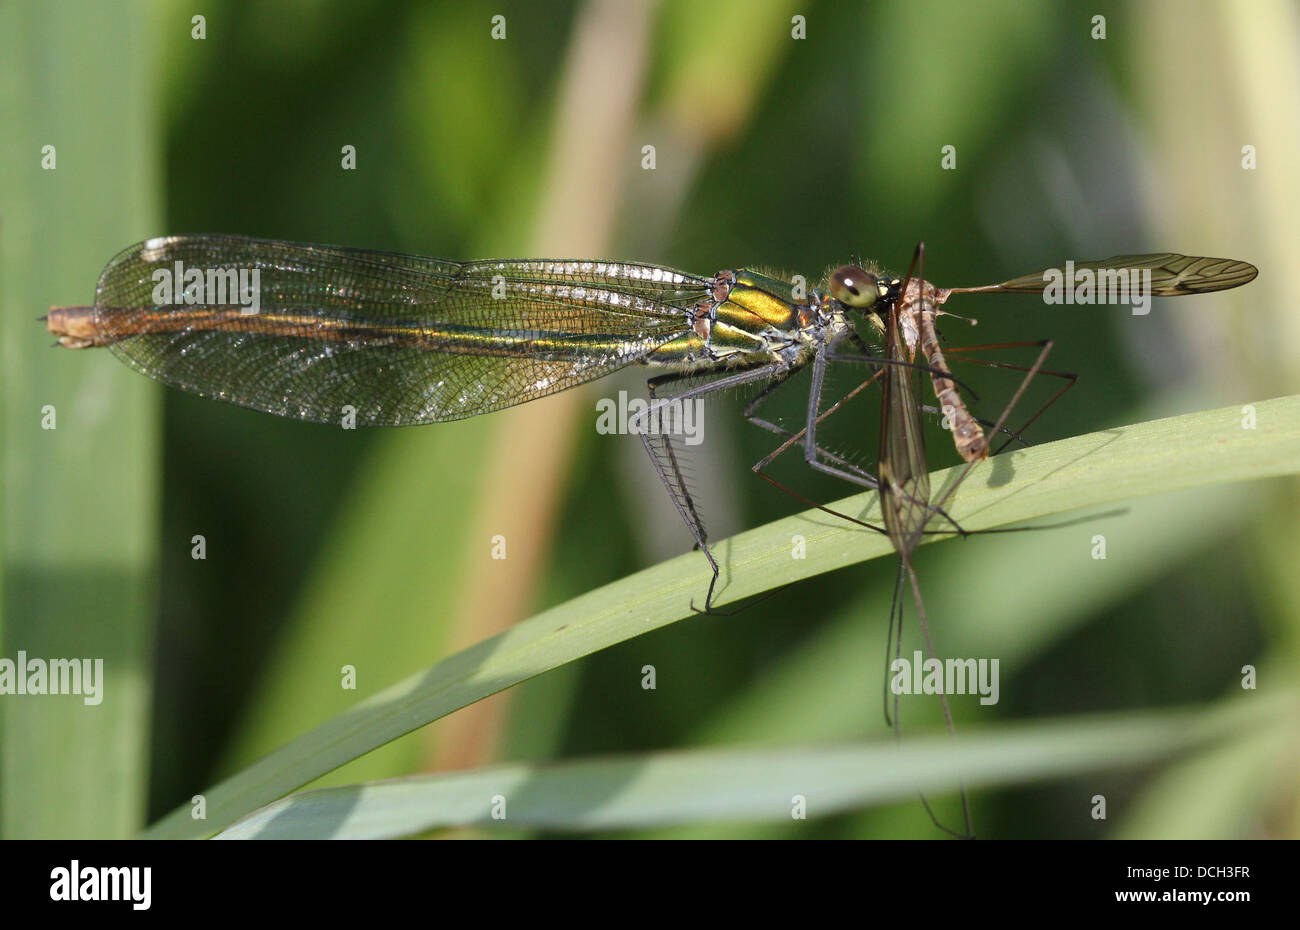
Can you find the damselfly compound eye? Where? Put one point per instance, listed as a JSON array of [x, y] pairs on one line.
[[854, 287]]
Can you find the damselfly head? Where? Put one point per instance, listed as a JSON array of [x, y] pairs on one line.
[[855, 287]]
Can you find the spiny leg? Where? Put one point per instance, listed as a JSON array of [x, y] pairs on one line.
[[665, 460], [751, 410], [861, 476], [812, 452], [790, 438]]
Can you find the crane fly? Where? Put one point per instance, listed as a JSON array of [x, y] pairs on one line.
[[902, 480], [323, 333], [903, 471], [907, 316]]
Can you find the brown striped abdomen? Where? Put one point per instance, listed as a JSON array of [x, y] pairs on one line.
[[967, 433]]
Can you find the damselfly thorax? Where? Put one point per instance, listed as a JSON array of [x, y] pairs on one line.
[[749, 316]]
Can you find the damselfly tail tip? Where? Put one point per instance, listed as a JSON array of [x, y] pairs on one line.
[[75, 326]]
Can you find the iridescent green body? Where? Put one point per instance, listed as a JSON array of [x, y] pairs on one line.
[[753, 318]]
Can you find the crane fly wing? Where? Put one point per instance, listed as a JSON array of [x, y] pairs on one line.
[[1171, 274], [904, 473], [903, 469]]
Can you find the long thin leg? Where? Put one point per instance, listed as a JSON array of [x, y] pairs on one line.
[[815, 417], [1006, 412], [865, 479], [678, 489], [1069, 377], [1032, 371], [666, 464], [928, 644], [664, 457], [861, 477], [813, 453], [926, 369]]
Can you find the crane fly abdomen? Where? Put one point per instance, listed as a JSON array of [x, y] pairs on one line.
[[918, 308]]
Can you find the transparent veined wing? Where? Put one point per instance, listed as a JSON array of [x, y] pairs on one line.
[[1171, 274], [400, 339], [903, 469]]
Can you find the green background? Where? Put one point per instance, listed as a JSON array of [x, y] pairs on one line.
[[327, 548]]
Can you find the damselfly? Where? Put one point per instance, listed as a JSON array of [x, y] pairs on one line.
[[337, 335]]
